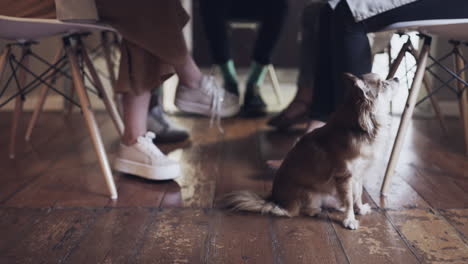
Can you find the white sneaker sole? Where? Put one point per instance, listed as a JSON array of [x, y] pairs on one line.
[[167, 172], [203, 109]]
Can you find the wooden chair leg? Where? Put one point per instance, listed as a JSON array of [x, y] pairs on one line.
[[3, 59], [69, 105], [275, 83], [396, 63], [434, 101], [18, 102], [463, 97], [393, 67], [110, 106], [40, 104], [407, 114], [89, 118], [107, 57]]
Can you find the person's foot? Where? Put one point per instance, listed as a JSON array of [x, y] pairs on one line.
[[232, 87], [164, 130], [145, 160], [254, 105], [208, 99], [297, 112]]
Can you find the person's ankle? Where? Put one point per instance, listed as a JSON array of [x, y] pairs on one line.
[[257, 73], [228, 71], [128, 140], [193, 82]]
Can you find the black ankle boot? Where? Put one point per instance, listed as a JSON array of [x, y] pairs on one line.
[[254, 106], [232, 87]]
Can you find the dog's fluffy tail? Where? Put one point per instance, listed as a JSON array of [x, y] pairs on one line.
[[251, 202]]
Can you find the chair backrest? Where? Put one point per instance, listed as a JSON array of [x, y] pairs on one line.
[[24, 29], [448, 28]]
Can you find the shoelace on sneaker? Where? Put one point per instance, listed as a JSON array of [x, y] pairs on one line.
[[216, 102], [146, 142]]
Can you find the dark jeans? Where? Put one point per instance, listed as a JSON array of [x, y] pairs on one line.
[[216, 14], [347, 46]]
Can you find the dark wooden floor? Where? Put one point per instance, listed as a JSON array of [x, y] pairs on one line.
[[54, 206]]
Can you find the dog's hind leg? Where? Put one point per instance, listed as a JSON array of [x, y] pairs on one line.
[[345, 193], [313, 204]]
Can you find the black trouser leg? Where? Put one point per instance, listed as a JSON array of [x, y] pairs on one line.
[[271, 23], [215, 15], [323, 99]]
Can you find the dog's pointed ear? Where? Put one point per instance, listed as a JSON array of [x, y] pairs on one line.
[[351, 77], [355, 81]]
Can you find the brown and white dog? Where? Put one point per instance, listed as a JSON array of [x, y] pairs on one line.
[[326, 167]]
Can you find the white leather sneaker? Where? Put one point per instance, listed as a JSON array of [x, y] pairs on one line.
[[144, 159], [208, 99]]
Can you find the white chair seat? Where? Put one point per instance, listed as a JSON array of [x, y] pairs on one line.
[[448, 28], [13, 28]]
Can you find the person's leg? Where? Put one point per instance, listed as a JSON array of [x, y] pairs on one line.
[[298, 110], [350, 49], [135, 114], [188, 72], [323, 95], [215, 14], [271, 22], [160, 124]]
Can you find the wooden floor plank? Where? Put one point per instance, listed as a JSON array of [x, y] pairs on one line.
[[239, 238], [433, 239], [307, 240], [375, 241], [175, 236], [200, 161], [60, 186], [16, 223], [400, 196], [439, 189], [22, 171], [52, 239], [242, 166], [459, 219], [149, 224], [113, 238]]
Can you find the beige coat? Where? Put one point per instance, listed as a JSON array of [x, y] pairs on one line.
[[363, 9], [76, 10], [151, 30]]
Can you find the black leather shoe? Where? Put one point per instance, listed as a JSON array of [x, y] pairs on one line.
[[232, 88], [165, 131], [253, 106]]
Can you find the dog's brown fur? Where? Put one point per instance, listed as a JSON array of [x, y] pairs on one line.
[[328, 162]]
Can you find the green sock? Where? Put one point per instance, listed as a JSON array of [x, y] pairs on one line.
[[228, 70], [256, 74]]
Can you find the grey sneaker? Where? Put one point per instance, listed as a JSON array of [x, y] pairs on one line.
[[208, 99], [164, 130]]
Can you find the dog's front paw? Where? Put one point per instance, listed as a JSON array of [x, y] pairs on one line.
[[351, 223], [364, 209]]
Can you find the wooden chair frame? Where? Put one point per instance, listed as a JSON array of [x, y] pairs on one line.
[[421, 71], [75, 57]]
